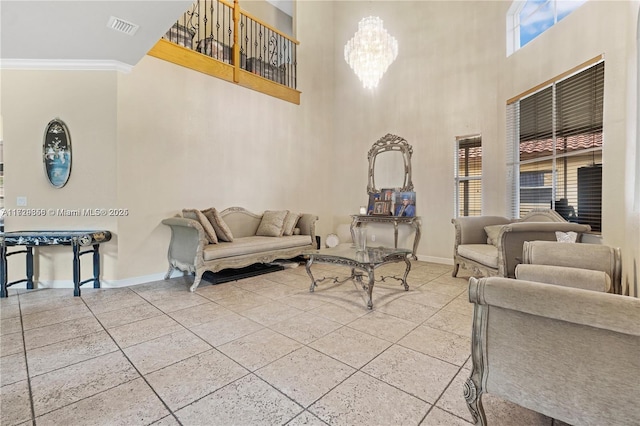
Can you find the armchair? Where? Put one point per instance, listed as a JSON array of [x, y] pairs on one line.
[[568, 353], [492, 245], [588, 266]]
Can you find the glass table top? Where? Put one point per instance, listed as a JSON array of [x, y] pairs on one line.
[[371, 255]]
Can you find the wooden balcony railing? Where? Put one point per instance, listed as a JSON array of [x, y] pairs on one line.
[[217, 38]]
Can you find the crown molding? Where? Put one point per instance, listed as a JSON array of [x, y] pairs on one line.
[[65, 65]]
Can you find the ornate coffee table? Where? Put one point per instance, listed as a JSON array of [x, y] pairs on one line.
[[367, 260]]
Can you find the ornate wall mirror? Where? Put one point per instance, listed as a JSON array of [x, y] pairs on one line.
[[390, 164]]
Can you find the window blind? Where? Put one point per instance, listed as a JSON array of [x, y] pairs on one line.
[[468, 179], [554, 138]]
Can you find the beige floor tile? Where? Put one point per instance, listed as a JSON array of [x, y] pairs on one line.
[[11, 344], [131, 403], [418, 374], [406, 310], [15, 407], [278, 291], [113, 299], [226, 329], [10, 325], [55, 333], [271, 313], [248, 401], [306, 419], [306, 327], [350, 346], [384, 326], [42, 305], [54, 316], [364, 400], [244, 302], [127, 315], [67, 385], [9, 301], [199, 314], [186, 381], [165, 350], [259, 349], [166, 421], [452, 322], [9, 310], [448, 288], [220, 291], [177, 301], [30, 296], [344, 313], [438, 417], [12, 369], [452, 400], [460, 305], [144, 330], [448, 347], [58, 355], [303, 301], [429, 298], [305, 375]]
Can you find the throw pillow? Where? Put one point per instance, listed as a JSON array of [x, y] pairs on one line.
[[290, 223], [492, 233], [272, 223], [222, 230], [195, 214], [566, 237]]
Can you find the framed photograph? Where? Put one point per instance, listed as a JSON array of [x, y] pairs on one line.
[[373, 197], [405, 204], [382, 208], [386, 194]]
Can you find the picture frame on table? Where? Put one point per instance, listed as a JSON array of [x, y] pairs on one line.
[[382, 208], [405, 204], [373, 197]]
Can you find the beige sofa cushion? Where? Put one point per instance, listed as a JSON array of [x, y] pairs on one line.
[[196, 214], [272, 223], [492, 233], [222, 230], [485, 254], [252, 245], [290, 223]]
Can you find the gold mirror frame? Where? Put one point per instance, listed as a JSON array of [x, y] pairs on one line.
[[387, 143]]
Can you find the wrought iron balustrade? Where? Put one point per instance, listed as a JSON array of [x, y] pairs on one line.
[[221, 31]]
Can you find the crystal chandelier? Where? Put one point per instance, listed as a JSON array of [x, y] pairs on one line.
[[370, 52]]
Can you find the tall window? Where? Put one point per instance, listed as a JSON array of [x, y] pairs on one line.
[[554, 142], [468, 178], [528, 19]]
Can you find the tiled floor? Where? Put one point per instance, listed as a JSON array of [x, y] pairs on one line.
[[260, 351]]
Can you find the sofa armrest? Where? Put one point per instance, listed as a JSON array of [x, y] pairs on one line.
[[187, 240], [512, 236], [470, 229], [565, 276], [605, 311], [307, 225]]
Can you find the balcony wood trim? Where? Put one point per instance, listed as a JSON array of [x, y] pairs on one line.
[[188, 58]]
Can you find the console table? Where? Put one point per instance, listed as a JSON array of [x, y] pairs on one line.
[[30, 239], [415, 222]]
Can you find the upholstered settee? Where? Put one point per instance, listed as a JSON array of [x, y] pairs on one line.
[[568, 353], [492, 245], [209, 240]]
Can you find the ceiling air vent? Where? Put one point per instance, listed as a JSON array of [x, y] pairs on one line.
[[122, 26]]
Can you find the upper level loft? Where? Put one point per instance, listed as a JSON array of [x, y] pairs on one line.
[[219, 38]]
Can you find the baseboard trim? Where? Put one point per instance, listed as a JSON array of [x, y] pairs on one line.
[[103, 283], [66, 65]]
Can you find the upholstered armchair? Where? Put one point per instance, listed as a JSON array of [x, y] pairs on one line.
[[568, 353], [587, 266], [492, 245]]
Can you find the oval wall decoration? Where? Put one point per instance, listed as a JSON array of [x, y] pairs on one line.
[[56, 151]]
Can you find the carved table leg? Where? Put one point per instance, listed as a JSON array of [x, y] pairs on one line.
[[370, 287], [406, 273], [308, 268]]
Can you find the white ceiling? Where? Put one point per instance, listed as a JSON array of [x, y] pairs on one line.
[[76, 31]]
